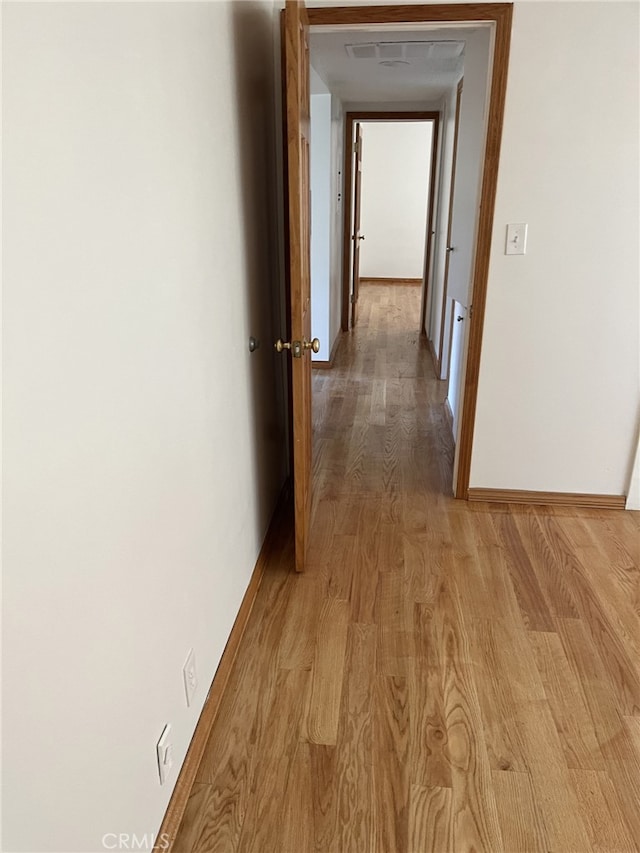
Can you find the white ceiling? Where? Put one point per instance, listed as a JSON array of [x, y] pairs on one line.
[[420, 76]]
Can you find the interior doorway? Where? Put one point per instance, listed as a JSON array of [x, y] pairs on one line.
[[434, 32], [390, 171]]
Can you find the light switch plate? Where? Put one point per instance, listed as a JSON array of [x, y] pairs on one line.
[[164, 753], [190, 677], [516, 243]]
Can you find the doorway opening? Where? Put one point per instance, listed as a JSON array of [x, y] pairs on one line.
[[390, 172], [427, 50]]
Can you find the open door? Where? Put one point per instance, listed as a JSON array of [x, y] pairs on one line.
[[297, 117], [449, 247], [356, 237]]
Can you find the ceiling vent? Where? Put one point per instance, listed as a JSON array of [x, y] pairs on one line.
[[405, 51]]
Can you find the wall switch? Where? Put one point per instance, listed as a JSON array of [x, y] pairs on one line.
[[190, 676], [164, 751], [516, 239]]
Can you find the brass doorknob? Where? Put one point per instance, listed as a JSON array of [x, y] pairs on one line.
[[295, 347], [312, 345]]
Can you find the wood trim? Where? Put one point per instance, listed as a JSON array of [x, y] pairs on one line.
[[503, 15], [397, 115], [356, 222], [414, 282], [448, 415], [428, 260], [178, 802], [350, 119], [440, 12], [327, 365], [518, 496]]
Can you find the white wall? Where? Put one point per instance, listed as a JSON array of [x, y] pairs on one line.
[[391, 106], [142, 447], [326, 158], [320, 170], [396, 164], [558, 388]]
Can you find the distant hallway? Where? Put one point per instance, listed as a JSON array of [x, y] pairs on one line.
[[379, 426]]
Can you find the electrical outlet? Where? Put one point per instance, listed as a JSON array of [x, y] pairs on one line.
[[164, 753], [190, 676]]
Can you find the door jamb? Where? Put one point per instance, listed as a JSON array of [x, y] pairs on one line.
[[351, 118], [452, 187], [428, 259], [501, 15]]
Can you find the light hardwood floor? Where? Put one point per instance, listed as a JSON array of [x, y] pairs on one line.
[[446, 676]]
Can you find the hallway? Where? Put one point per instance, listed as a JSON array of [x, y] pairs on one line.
[[446, 676]]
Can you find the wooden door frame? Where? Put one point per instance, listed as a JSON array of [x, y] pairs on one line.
[[355, 220], [350, 121], [500, 15]]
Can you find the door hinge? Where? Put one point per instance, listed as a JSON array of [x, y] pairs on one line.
[[352, 298]]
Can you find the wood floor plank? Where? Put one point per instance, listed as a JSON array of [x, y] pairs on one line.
[[611, 645], [326, 804], [533, 604], [601, 812], [355, 742], [272, 765], [632, 725], [507, 678], [339, 565], [556, 583], [328, 669], [598, 688], [394, 626], [491, 559], [554, 795], [364, 586], [475, 817], [521, 824], [298, 834], [390, 765], [430, 762], [573, 721], [430, 829], [625, 777], [612, 572], [198, 810], [297, 644]]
